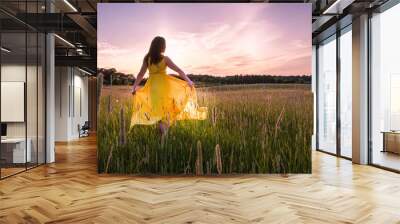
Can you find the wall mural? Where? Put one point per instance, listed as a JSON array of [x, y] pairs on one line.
[[204, 89]]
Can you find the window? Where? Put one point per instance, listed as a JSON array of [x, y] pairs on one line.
[[385, 89], [346, 92], [327, 95]]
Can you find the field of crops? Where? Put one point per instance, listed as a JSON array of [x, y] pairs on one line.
[[250, 129]]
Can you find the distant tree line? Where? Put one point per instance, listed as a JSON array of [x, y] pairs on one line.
[[250, 79], [112, 76]]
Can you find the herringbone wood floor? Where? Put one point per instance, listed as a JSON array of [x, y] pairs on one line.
[[70, 191]]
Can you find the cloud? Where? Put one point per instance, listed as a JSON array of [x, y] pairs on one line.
[[225, 49], [109, 55], [248, 45], [104, 48]]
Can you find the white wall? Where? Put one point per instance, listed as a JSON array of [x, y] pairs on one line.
[[80, 109], [71, 87], [62, 82], [33, 126], [12, 73]]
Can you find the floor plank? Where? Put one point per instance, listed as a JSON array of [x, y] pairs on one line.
[[71, 191]]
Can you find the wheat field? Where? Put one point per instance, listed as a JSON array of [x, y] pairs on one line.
[[261, 128]]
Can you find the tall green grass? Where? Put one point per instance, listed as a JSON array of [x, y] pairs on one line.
[[258, 129]]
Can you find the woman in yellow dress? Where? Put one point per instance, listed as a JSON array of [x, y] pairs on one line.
[[164, 98]]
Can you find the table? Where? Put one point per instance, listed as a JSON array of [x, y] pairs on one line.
[[391, 141], [13, 150]]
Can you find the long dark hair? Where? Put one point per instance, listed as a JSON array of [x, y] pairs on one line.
[[156, 48]]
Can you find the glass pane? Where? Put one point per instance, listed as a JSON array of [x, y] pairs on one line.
[[13, 85], [386, 89], [23, 86], [31, 97], [327, 96], [31, 86], [346, 93], [41, 98]]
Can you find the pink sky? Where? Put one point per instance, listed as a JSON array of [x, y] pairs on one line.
[[214, 38]]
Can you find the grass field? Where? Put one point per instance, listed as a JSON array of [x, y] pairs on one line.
[[250, 129]]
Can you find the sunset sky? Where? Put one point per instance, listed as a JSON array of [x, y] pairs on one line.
[[216, 39]]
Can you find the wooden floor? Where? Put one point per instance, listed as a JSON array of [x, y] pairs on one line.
[[70, 191], [11, 170]]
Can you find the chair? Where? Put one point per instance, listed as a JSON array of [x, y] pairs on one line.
[[84, 130]]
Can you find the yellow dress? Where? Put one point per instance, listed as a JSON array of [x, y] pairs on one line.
[[165, 98]]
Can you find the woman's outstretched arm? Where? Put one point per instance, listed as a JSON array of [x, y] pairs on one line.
[[139, 77], [174, 67]]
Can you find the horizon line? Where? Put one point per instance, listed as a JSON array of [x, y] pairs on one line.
[[217, 75]]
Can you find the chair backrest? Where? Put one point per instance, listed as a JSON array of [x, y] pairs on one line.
[[86, 125]]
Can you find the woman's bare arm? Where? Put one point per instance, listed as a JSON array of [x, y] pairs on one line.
[[174, 67], [139, 77]]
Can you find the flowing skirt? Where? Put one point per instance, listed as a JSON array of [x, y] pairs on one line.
[[167, 99]]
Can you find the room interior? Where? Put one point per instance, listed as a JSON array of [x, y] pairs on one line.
[[49, 90], [22, 101]]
